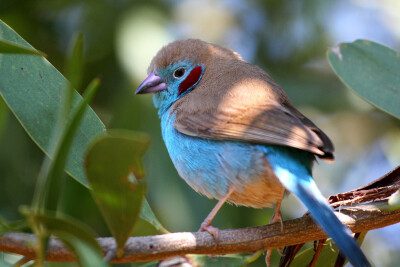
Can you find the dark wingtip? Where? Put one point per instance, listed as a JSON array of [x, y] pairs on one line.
[[328, 156]]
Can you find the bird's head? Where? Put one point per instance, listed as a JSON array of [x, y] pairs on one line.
[[171, 82], [178, 68]]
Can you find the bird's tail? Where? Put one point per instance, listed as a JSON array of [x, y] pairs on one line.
[[307, 191]]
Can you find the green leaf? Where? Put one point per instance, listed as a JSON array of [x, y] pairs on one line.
[[371, 70], [9, 226], [74, 73], [114, 169], [31, 88], [3, 115], [327, 257], [7, 47], [147, 214], [75, 235], [74, 67], [225, 260], [50, 177], [4, 225], [3, 261], [202, 261]]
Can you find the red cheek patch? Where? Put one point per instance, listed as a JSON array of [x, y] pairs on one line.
[[193, 77]]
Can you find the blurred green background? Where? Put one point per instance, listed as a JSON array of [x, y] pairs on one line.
[[286, 38]]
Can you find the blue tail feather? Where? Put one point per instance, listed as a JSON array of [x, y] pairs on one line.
[[304, 187]]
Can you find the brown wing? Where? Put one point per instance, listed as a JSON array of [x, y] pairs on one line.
[[245, 104], [327, 146], [267, 124]]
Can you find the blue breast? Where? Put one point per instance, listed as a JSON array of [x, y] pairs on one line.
[[208, 166]]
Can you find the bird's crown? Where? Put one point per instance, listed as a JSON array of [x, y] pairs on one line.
[[193, 50]]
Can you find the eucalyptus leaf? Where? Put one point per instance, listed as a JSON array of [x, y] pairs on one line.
[[4, 225], [7, 47], [371, 70], [9, 226], [80, 239], [147, 214], [32, 88], [74, 66], [327, 257], [3, 261], [47, 194], [3, 115], [220, 261], [114, 169]]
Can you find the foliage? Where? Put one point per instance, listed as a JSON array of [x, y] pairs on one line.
[[7, 47], [30, 81], [329, 254], [79, 238], [371, 70], [114, 170], [32, 88], [57, 138]]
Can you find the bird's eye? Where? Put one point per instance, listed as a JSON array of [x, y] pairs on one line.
[[179, 72]]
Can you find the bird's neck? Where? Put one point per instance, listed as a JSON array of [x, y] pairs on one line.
[[163, 103], [167, 126], [162, 111]]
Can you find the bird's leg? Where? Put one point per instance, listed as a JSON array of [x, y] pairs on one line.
[[206, 225], [277, 216]]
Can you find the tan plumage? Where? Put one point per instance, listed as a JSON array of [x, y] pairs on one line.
[[204, 90], [235, 100]]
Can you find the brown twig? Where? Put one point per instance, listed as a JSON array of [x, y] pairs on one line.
[[359, 218], [318, 246], [379, 189], [301, 230]]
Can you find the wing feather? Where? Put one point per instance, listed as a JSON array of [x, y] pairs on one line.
[[268, 126], [244, 104]]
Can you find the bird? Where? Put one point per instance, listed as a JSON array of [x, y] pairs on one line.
[[233, 135]]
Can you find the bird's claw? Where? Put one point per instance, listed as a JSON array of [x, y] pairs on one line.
[[213, 231], [277, 216]]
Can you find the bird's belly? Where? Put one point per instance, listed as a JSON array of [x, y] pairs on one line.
[[259, 193], [213, 167]]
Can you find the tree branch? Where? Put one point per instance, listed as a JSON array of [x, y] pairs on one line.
[[359, 219]]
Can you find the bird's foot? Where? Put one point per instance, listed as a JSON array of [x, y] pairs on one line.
[[269, 254], [206, 226], [277, 217]]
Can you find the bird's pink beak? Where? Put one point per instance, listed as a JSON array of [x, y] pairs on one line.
[[152, 84]]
